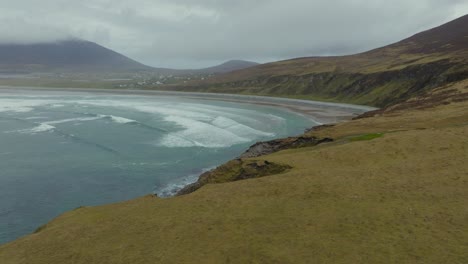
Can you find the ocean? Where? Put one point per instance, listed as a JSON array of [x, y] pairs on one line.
[[60, 150]]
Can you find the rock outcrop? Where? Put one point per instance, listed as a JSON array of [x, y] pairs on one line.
[[235, 170], [243, 168], [268, 147]]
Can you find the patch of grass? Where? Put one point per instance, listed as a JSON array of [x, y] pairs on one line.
[[367, 137]]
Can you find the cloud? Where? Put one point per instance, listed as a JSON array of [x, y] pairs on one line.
[[183, 33]]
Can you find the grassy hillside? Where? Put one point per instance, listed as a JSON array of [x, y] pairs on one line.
[[379, 77], [389, 189]]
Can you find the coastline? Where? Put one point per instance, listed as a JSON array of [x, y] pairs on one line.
[[319, 112], [327, 190]]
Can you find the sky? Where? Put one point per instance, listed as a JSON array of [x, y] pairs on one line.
[[202, 33]]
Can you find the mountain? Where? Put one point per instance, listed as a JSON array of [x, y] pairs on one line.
[[378, 77], [68, 55], [229, 66], [87, 57]]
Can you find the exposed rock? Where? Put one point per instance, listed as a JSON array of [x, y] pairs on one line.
[[318, 128], [235, 170], [268, 147]]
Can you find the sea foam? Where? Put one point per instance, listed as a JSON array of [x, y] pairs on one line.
[[198, 133], [79, 119], [196, 125], [37, 129], [119, 119], [21, 106]]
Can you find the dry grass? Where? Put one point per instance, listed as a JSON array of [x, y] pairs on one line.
[[399, 198]]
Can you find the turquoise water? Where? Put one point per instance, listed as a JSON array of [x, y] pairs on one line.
[[62, 150]]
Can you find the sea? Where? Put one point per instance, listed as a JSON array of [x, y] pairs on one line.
[[60, 150]]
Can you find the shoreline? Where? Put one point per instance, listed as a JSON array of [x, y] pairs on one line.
[[319, 112]]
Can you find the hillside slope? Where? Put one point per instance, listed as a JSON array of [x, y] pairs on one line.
[[229, 66], [379, 77]]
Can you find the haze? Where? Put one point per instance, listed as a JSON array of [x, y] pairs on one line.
[[192, 34]]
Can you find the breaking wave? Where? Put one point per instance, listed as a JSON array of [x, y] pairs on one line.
[[172, 188], [37, 129]]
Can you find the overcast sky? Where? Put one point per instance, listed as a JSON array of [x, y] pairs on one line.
[[198, 33]]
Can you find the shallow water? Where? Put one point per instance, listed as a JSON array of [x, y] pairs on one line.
[[62, 150]]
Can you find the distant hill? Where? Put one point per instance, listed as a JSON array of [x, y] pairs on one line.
[[232, 65], [75, 55], [378, 77], [85, 56]]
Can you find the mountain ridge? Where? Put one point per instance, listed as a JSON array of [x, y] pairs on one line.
[[65, 55], [85, 56], [229, 66]]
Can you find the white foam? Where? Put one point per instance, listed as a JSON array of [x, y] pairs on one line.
[[38, 129], [79, 119], [174, 110], [178, 141], [116, 119], [121, 120], [35, 117], [198, 133], [276, 118], [250, 119], [199, 126], [19, 106], [171, 189], [239, 129]]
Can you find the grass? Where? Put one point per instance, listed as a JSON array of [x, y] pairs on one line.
[[399, 199], [367, 137]]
